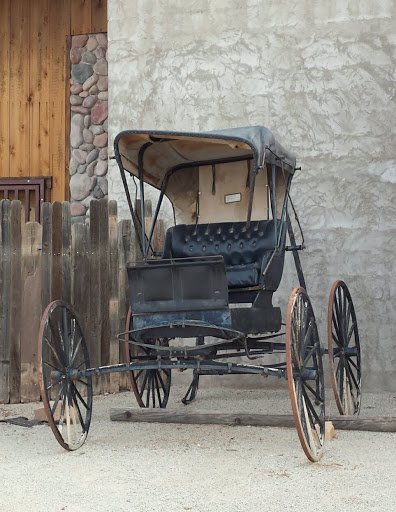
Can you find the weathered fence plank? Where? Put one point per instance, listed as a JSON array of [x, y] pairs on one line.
[[46, 256], [66, 253], [5, 285], [94, 331], [56, 288], [80, 274], [31, 308], [104, 289], [15, 302], [114, 302], [126, 255]]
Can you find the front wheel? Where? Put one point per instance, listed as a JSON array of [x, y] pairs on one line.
[[62, 352], [151, 387], [305, 374]]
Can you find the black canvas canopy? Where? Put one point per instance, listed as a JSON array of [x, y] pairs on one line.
[[164, 151]]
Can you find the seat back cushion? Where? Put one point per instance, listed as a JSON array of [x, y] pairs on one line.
[[245, 250]]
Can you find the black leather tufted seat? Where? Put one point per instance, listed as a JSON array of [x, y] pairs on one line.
[[246, 251]]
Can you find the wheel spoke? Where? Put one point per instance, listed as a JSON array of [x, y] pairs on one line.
[[337, 341], [352, 377], [138, 374], [337, 329], [148, 391], [309, 354], [353, 363], [79, 396], [351, 330], [311, 408], [76, 351], [158, 389], [162, 383], [51, 386], [73, 392], [46, 363], [53, 351], [144, 383], [316, 395], [56, 401], [307, 339]]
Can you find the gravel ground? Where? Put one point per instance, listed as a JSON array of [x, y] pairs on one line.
[[168, 467]]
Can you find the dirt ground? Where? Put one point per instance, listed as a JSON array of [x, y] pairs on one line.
[[168, 467]]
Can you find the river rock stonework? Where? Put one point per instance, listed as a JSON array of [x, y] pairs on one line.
[[88, 128]]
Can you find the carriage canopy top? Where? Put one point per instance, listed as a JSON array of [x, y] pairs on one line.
[[165, 151]]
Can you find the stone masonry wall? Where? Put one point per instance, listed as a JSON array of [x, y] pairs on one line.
[[88, 135], [321, 76]]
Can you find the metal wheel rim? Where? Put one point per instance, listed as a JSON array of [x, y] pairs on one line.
[[153, 388], [341, 333], [66, 352], [309, 416]]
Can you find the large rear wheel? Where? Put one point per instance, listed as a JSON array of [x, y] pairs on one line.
[[305, 373], [344, 350], [62, 352], [151, 387]]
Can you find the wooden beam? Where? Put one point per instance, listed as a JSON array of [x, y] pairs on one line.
[[19, 89], [5, 35], [377, 424]]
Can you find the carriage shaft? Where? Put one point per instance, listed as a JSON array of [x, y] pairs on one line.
[[224, 368]]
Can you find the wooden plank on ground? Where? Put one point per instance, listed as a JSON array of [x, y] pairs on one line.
[[19, 92], [95, 321], [31, 308], [5, 27], [5, 284], [113, 274], [15, 303], [382, 424]]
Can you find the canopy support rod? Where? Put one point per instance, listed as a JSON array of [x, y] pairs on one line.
[[284, 210], [157, 209], [296, 256], [274, 213], [141, 180], [135, 219]]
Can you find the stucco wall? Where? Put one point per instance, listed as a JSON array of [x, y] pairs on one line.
[[323, 79]]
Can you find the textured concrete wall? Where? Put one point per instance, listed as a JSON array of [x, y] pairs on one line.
[[321, 75]]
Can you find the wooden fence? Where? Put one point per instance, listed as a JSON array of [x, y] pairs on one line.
[[83, 265]]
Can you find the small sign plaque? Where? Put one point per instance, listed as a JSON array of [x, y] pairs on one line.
[[232, 198]]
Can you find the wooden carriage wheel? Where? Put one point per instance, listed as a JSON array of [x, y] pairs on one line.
[[305, 373], [344, 350], [151, 387], [67, 399]]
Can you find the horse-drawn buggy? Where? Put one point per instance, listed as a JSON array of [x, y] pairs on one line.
[[211, 286]]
